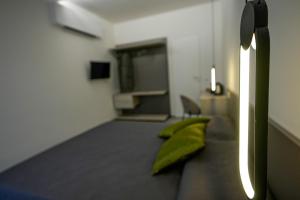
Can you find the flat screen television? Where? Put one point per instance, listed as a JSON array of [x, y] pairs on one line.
[[100, 70]]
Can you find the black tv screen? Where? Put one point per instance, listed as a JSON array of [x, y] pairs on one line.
[[100, 70]]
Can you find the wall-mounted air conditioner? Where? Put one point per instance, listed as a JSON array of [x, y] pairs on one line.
[[74, 17]]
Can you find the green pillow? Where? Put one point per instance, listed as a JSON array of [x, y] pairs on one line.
[[170, 130], [179, 147]]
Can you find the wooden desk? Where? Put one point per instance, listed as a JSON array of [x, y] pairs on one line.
[[214, 105], [129, 101], [147, 93]]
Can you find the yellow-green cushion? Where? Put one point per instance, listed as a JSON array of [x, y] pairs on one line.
[[184, 143], [170, 130]]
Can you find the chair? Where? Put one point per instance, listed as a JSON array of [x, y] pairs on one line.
[[189, 107]]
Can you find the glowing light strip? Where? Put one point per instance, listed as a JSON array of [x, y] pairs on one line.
[[253, 43], [63, 3], [213, 79], [244, 121], [69, 4]]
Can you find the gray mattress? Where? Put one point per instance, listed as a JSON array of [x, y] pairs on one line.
[[110, 162], [113, 162], [212, 174]]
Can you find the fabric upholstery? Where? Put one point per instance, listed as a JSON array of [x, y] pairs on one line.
[[170, 130], [184, 143]]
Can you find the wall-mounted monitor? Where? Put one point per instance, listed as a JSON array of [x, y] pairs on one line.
[[99, 70]]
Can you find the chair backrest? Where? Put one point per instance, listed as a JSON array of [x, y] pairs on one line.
[[189, 106]]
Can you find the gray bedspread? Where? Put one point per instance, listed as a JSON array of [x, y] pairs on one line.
[[110, 162], [213, 173]]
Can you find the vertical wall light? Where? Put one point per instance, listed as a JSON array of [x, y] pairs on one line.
[[255, 33], [213, 69], [213, 79], [244, 121]]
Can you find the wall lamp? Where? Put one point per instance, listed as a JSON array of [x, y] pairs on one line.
[[213, 79], [255, 33]]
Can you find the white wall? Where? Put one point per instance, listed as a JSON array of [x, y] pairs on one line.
[[46, 97], [194, 23], [284, 25], [232, 12]]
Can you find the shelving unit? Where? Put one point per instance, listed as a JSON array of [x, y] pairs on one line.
[[144, 84]]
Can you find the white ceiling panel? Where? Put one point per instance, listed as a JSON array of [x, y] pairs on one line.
[[123, 10]]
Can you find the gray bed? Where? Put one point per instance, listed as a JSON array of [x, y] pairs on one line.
[[113, 162], [110, 162]]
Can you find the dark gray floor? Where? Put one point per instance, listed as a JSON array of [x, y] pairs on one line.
[[111, 162]]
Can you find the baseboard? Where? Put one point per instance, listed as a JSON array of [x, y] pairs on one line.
[[285, 132]]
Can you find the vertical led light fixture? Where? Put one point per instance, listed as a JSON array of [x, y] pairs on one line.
[[213, 69], [255, 33], [213, 79]]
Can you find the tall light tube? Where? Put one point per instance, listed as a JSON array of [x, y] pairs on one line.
[[213, 79], [244, 121]]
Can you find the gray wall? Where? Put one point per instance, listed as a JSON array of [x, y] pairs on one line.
[[284, 28], [284, 17], [46, 97], [284, 163], [232, 12]]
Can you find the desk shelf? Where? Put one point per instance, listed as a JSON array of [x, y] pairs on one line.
[[147, 93], [131, 99], [214, 105], [144, 117], [150, 93]]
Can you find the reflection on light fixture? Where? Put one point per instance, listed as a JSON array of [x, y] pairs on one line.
[[253, 43], [63, 2], [255, 33], [70, 5], [244, 121], [213, 79]]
